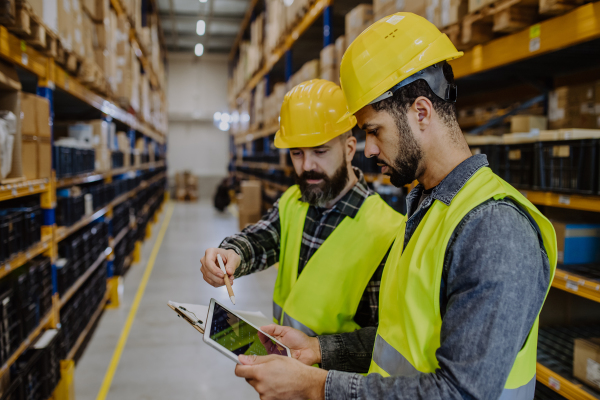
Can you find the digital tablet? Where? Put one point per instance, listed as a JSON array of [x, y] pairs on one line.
[[232, 335]]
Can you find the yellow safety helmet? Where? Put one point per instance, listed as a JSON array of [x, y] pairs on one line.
[[310, 113], [387, 53]]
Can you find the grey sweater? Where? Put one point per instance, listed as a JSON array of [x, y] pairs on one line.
[[496, 274]]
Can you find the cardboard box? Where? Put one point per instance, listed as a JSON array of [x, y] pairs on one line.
[[35, 115], [528, 123], [574, 107], [577, 243], [252, 197], [340, 48], [328, 59], [383, 8], [446, 12], [29, 156], [42, 112], [358, 20], [331, 74], [44, 157], [475, 5], [78, 30], [47, 11], [586, 361], [96, 9], [29, 124], [246, 218], [65, 23]]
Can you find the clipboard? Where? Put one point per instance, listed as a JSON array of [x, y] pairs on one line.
[[189, 316]]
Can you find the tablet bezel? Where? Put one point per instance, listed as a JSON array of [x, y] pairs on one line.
[[228, 353]]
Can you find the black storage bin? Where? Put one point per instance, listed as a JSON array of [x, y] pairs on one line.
[[11, 334], [117, 159], [15, 390], [11, 231], [517, 163], [492, 152], [567, 166]]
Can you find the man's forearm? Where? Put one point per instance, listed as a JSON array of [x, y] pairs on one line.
[[257, 245], [349, 352]]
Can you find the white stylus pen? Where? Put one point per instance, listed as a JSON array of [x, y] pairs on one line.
[[227, 282]]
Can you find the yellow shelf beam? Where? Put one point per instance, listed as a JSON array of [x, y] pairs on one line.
[[25, 188], [23, 257], [44, 323], [562, 385], [577, 285], [248, 137], [577, 26], [88, 328], [98, 176], [19, 52], [573, 201], [309, 18]]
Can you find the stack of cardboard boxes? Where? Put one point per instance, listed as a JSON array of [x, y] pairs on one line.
[[36, 147], [576, 106], [186, 186], [357, 20], [249, 203], [442, 13]]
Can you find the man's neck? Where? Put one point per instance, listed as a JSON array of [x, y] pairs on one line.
[[352, 180], [439, 163]]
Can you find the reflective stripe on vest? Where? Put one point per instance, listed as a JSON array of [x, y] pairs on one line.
[[395, 364], [323, 299], [411, 323]]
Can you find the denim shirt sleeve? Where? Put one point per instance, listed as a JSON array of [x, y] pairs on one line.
[[497, 277]]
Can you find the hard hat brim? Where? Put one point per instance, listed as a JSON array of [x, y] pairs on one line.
[[317, 140]]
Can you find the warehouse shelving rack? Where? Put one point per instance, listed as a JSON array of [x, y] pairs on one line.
[[576, 27], [50, 77]]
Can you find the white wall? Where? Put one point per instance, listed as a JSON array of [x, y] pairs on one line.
[[197, 88]]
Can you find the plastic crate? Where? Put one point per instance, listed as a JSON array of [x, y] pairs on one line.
[[14, 391], [567, 166], [492, 152], [11, 335], [517, 163]]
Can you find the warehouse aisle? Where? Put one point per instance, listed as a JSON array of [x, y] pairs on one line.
[[164, 358]]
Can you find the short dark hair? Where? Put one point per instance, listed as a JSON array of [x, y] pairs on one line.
[[404, 97]]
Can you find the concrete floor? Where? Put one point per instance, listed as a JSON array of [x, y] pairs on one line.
[[164, 357]]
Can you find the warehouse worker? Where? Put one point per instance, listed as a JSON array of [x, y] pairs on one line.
[[470, 268], [330, 233]]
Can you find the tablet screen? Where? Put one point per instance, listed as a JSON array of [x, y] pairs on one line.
[[239, 337]]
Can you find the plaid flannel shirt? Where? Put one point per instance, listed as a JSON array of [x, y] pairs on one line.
[[258, 244]]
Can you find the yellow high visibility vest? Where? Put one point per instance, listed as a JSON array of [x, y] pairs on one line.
[[324, 298], [408, 335]]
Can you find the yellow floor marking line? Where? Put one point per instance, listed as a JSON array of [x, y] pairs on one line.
[[114, 362]]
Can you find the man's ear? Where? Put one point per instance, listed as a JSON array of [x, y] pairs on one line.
[[350, 148], [423, 109]]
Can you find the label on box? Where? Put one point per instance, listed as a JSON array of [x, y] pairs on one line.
[[561, 151], [514, 154], [573, 286], [593, 372], [554, 383], [24, 59]]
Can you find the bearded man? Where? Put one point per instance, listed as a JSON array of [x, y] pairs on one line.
[[329, 233]]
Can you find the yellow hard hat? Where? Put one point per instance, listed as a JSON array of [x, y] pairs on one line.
[[310, 113], [388, 52]]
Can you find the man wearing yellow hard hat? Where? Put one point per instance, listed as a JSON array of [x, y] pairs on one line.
[[330, 233], [472, 263]]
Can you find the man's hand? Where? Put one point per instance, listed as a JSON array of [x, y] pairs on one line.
[[276, 377], [210, 268], [304, 348]]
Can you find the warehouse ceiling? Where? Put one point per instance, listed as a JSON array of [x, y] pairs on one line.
[[222, 19]]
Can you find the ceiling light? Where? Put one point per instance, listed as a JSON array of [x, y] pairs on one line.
[[203, 1], [225, 117], [217, 116], [199, 49], [288, 3], [200, 27], [224, 126]]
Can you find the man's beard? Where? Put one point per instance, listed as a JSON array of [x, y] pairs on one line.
[[405, 167], [320, 194]]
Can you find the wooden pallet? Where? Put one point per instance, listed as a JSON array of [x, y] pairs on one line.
[[30, 27], [507, 16]]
